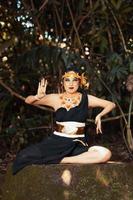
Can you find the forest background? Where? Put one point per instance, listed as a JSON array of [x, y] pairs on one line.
[[41, 38]]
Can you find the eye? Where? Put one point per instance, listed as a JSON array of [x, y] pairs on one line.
[[67, 79], [75, 79]]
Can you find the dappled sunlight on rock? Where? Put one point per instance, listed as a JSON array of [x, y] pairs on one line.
[[102, 178], [66, 177], [66, 194]]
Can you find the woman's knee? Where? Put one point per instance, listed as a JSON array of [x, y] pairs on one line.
[[107, 155], [103, 153]]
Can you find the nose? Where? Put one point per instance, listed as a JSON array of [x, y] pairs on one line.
[[71, 82]]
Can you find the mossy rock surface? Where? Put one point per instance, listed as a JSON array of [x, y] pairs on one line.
[[70, 182]]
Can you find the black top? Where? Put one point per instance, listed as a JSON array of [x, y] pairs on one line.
[[78, 113]]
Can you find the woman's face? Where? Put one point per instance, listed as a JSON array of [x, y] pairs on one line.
[[71, 84]]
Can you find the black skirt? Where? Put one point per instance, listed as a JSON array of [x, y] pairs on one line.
[[49, 151]]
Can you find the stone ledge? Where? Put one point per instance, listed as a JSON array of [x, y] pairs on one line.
[[112, 181]]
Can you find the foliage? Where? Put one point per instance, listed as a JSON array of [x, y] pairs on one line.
[[42, 38]]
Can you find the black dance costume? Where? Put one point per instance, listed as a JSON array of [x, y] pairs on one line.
[[54, 148]]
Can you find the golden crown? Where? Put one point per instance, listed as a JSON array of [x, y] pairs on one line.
[[83, 80], [71, 74]]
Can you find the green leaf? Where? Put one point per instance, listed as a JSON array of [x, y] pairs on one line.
[[131, 67], [116, 3]]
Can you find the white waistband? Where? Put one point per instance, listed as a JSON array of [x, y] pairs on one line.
[[66, 135], [71, 123]]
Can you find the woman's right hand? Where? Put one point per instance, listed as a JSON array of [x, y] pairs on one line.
[[41, 91]]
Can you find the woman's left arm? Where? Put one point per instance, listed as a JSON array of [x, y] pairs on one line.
[[105, 104]]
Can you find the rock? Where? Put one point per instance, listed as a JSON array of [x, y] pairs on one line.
[[112, 181]]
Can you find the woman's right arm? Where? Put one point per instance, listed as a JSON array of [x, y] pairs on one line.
[[48, 100]]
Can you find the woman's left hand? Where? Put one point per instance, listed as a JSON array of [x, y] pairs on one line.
[[98, 124]]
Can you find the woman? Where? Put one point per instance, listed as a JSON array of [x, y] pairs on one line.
[[67, 144]]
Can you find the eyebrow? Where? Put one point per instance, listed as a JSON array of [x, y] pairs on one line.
[[71, 78]]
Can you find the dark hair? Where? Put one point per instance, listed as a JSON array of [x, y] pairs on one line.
[[72, 67]]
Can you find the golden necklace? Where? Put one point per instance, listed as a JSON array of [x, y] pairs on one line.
[[70, 102]]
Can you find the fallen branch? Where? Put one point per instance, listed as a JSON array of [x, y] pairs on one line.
[[13, 93]]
